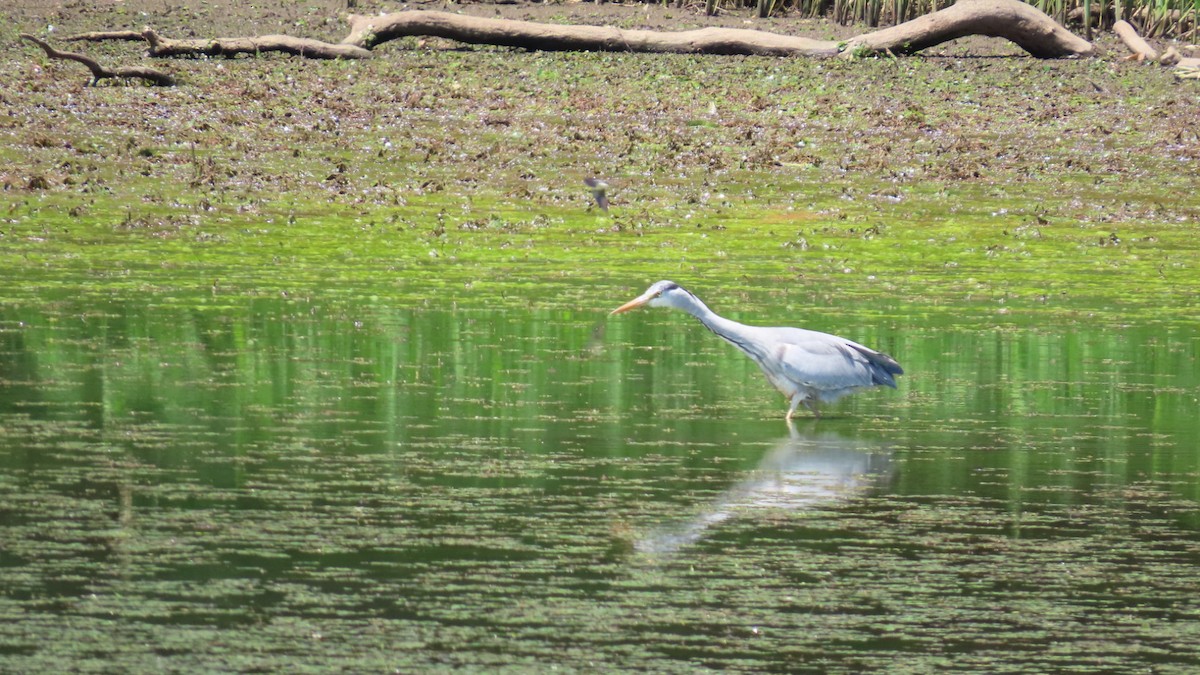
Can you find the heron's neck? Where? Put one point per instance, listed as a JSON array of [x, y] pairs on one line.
[[725, 328]]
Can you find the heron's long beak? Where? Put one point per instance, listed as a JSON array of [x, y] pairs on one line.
[[632, 304]]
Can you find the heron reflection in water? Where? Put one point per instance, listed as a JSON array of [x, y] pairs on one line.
[[806, 366], [803, 471]]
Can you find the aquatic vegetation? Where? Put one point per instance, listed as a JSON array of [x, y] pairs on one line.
[[938, 170]]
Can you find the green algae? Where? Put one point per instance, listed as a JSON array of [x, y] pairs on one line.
[[1031, 195]]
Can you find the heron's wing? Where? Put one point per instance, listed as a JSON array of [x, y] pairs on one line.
[[828, 362], [883, 367], [822, 365]]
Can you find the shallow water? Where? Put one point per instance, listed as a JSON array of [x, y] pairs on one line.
[[219, 482]]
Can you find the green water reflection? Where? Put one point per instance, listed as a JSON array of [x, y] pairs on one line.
[[299, 484]]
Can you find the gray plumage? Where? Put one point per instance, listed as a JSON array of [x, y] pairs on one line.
[[599, 191]]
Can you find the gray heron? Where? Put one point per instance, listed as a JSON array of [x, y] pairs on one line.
[[806, 366]]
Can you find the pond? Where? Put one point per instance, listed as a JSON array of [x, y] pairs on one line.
[[352, 481]]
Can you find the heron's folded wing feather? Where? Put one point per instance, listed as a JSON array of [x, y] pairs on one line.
[[883, 367], [824, 364]]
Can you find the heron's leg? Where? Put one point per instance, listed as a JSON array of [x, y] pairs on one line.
[[792, 408], [811, 404]]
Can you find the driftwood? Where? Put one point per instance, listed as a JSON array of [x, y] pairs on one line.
[[229, 47], [100, 36], [1018, 22], [1186, 67], [99, 72], [1028, 27], [1141, 50], [371, 31]]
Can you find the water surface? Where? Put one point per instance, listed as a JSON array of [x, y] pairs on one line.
[[340, 481]]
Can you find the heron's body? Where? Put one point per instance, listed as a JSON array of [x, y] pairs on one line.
[[806, 366]]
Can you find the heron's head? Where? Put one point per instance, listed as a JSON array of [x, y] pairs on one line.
[[660, 294]]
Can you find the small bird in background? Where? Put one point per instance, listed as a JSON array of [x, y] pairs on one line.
[[599, 191]]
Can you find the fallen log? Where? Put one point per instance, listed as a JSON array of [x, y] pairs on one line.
[[99, 72], [1188, 69], [103, 35], [1028, 27], [1141, 50], [371, 31], [230, 47], [1024, 25]]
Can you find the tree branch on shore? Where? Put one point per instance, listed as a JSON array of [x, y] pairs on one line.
[[1026, 26], [230, 47], [1139, 48], [1186, 67], [371, 31], [99, 72], [101, 36]]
